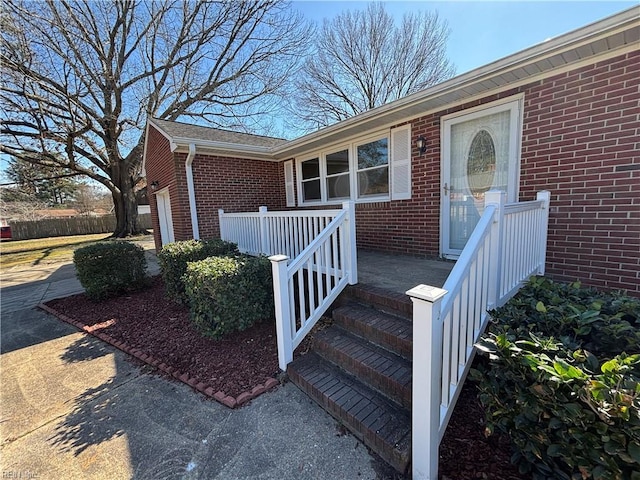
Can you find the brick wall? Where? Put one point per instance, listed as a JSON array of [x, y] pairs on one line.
[[160, 166], [235, 185], [580, 141]]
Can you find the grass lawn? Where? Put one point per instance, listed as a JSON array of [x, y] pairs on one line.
[[44, 250]]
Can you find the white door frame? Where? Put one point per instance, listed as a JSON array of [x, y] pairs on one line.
[[514, 104], [163, 203]]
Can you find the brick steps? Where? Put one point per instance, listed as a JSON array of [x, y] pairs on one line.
[[394, 303], [382, 370], [390, 332], [359, 370], [381, 425]]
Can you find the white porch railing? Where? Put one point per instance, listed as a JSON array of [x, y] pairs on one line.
[[507, 246], [322, 247], [274, 233]]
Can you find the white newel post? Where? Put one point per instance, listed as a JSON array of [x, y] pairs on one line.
[[427, 380], [283, 313], [352, 251], [264, 247], [498, 199], [545, 196], [220, 223]]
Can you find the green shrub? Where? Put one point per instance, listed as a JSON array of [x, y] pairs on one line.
[[108, 268], [173, 259], [229, 293], [563, 380]]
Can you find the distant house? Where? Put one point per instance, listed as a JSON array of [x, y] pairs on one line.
[[561, 116]]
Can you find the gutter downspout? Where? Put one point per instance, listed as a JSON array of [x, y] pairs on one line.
[[191, 191]]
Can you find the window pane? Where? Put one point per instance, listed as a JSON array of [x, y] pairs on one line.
[[373, 182], [338, 186], [373, 154], [338, 162], [311, 169], [311, 190]]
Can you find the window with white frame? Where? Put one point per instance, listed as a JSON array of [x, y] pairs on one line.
[[372, 168], [311, 180], [337, 167]]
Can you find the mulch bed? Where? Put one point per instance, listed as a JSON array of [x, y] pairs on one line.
[[243, 365], [158, 331]]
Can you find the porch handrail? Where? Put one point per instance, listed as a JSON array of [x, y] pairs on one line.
[[507, 246], [274, 232], [306, 287]]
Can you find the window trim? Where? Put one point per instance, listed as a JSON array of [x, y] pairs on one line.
[[352, 149], [364, 141]]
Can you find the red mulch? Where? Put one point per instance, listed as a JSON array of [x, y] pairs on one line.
[[149, 322]]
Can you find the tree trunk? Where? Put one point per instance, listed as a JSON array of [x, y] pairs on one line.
[[126, 206]]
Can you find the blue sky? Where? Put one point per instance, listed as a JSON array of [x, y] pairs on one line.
[[481, 31]]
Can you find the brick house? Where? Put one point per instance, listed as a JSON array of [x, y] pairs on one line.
[[562, 116]]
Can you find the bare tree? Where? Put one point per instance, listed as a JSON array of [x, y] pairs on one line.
[[80, 77], [363, 60], [29, 209]]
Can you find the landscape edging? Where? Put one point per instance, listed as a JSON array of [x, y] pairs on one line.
[[193, 382]]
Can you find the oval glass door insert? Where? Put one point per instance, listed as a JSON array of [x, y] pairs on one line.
[[481, 164]]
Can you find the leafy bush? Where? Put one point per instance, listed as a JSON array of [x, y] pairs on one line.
[[108, 268], [173, 259], [229, 293], [563, 380]]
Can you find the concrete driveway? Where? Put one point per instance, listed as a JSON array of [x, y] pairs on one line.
[[72, 406]]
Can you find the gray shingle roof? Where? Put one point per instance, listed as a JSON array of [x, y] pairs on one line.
[[197, 132]]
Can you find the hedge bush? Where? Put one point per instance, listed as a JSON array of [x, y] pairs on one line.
[[563, 380], [174, 257], [108, 268], [229, 293]]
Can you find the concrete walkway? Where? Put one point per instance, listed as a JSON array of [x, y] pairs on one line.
[[27, 287], [73, 407]]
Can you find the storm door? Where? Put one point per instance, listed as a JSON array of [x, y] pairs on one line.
[[481, 151]]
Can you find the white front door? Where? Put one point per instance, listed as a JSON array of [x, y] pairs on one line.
[[163, 201], [480, 152]]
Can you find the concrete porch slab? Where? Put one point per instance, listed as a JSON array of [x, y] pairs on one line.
[[400, 273]]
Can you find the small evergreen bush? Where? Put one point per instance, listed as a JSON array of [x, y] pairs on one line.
[[173, 259], [228, 294], [108, 268], [563, 380]]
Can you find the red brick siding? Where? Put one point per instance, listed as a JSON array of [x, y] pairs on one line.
[[580, 141], [235, 185], [161, 167]]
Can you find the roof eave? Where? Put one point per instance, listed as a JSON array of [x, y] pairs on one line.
[[223, 149], [393, 111]]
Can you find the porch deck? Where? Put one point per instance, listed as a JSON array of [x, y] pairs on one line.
[[400, 273]]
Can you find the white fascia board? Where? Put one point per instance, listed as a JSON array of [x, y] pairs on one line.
[[172, 144], [144, 150], [224, 149]]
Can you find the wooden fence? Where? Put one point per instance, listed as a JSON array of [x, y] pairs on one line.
[[58, 227]]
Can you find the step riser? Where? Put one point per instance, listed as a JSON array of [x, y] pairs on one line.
[[390, 302], [400, 343], [394, 382]]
